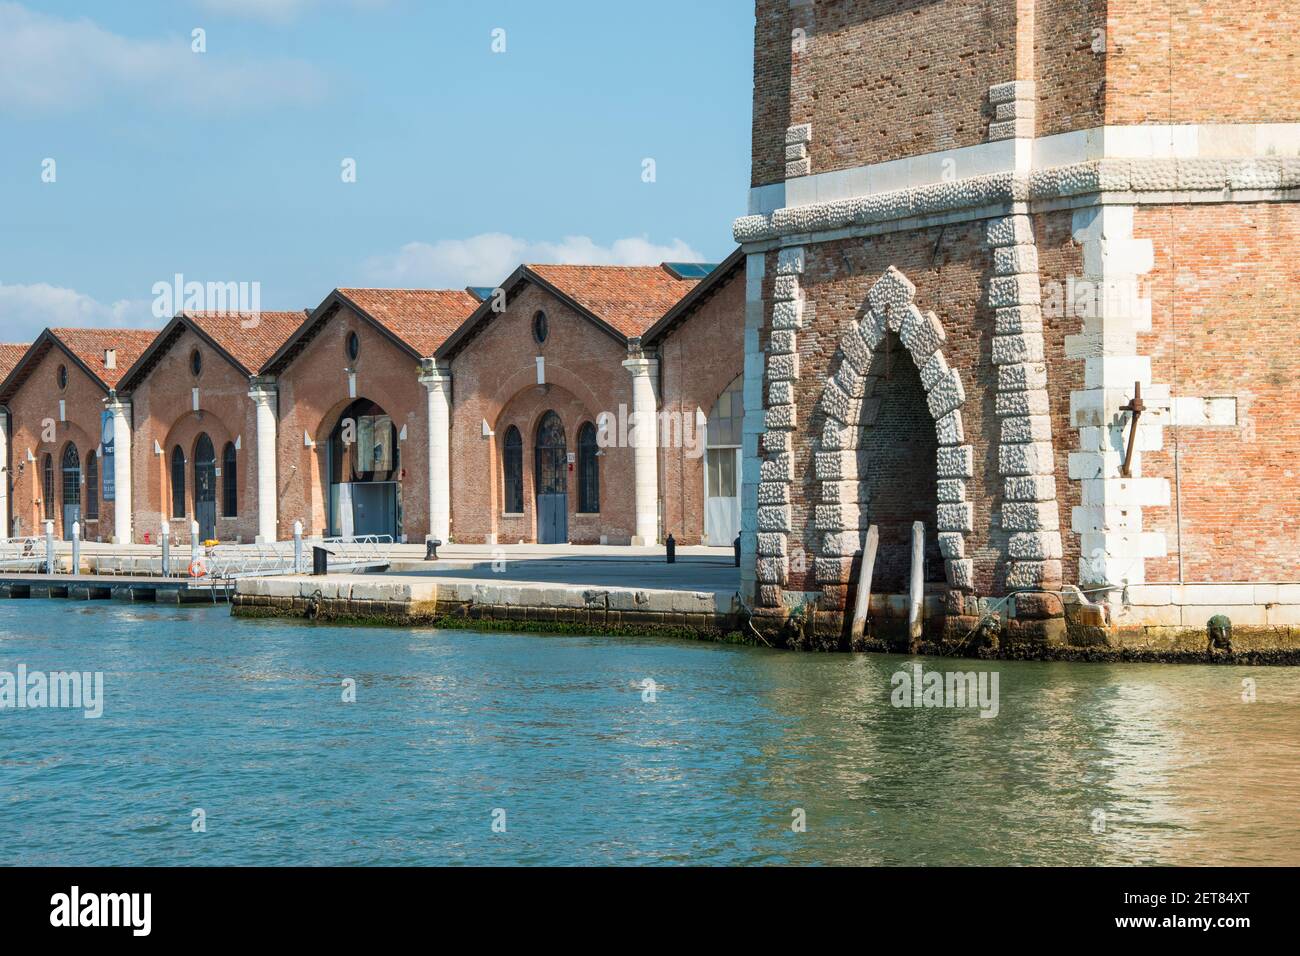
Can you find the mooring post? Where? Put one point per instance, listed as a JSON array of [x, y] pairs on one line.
[[166, 539], [194, 542], [736, 546], [49, 546], [297, 547], [670, 547], [916, 593], [862, 606], [76, 548]]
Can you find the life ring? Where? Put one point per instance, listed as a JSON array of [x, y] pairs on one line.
[[198, 568]]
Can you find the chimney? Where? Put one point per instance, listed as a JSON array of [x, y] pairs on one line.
[[110, 358]]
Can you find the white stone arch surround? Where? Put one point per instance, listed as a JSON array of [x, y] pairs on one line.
[[841, 514]]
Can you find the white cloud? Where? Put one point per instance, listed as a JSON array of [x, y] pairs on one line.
[[48, 63], [25, 310], [489, 258]]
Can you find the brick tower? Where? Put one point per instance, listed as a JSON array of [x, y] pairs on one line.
[[978, 231]]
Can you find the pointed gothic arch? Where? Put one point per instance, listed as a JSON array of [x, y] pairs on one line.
[[841, 516]]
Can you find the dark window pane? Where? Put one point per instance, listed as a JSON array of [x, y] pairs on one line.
[[514, 471]]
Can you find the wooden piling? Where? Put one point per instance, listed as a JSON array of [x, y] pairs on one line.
[[916, 592], [862, 605]]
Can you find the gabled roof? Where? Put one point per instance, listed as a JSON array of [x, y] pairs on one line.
[[686, 306], [87, 348], [10, 355], [245, 339], [622, 301], [418, 321]]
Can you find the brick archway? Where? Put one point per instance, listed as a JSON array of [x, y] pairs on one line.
[[841, 515]]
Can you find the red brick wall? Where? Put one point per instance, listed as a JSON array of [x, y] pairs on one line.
[[1174, 61], [889, 79], [162, 408], [1069, 73], [495, 380], [697, 361], [35, 402], [314, 393], [1223, 295]]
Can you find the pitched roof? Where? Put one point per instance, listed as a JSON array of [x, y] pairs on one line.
[[87, 348], [623, 301], [248, 338], [10, 356], [628, 298], [90, 345], [423, 318], [704, 290], [418, 321]]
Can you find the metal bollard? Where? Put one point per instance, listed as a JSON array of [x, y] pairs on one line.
[[671, 545], [297, 547], [76, 548], [736, 545], [431, 547], [166, 539], [320, 561], [49, 547]]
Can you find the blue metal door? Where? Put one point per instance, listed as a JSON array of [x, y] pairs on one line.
[[552, 482]]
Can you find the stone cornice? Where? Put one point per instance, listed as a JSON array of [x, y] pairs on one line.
[[1276, 178]]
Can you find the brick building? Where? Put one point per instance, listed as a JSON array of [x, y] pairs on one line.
[[975, 231], [410, 413], [549, 382], [60, 429], [195, 447]]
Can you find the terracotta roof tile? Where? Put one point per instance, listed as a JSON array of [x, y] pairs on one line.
[[89, 345], [629, 298], [10, 356], [250, 338], [423, 318]]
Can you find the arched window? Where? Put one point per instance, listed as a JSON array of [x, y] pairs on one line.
[[92, 487], [71, 468], [178, 482], [229, 482], [588, 470], [47, 486], [514, 471]]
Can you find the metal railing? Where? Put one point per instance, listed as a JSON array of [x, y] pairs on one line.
[[23, 554]]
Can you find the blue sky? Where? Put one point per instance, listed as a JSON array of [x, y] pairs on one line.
[[225, 166]]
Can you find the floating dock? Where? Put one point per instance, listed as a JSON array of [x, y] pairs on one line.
[[102, 587]]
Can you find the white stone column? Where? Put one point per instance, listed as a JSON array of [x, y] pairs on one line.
[[644, 441], [4, 474], [437, 382], [264, 397], [122, 504]]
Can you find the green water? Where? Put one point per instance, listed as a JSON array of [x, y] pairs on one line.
[[246, 721]]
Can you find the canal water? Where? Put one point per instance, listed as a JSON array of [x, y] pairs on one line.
[[561, 743]]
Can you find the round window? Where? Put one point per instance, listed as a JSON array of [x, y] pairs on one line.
[[539, 327], [63, 376], [354, 346], [196, 363]]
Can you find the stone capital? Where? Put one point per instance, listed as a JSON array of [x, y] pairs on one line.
[[647, 367]]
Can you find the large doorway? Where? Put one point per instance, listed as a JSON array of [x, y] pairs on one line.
[[722, 467], [364, 466], [552, 482], [205, 488], [71, 489]]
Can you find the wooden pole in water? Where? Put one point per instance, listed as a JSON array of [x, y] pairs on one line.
[[916, 593], [863, 603]]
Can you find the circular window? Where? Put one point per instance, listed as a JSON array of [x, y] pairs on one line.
[[539, 327], [63, 376], [354, 346], [196, 363]]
